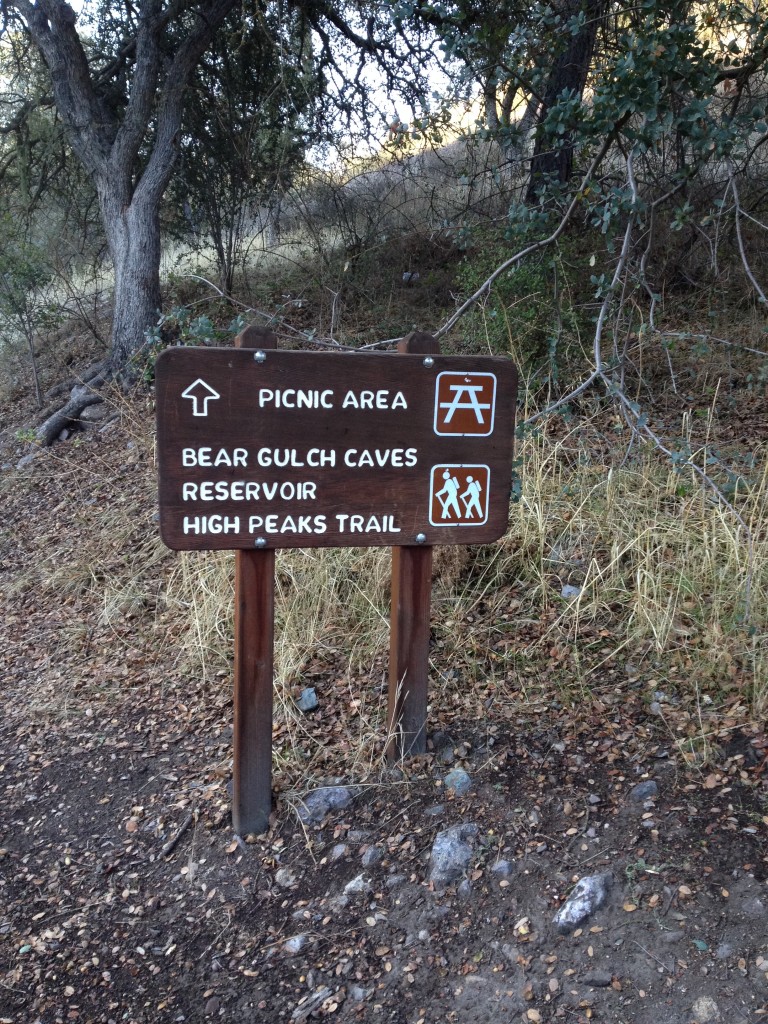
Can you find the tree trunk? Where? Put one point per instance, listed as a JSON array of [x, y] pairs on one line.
[[569, 73], [133, 235]]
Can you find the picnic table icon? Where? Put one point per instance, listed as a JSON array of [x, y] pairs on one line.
[[465, 403]]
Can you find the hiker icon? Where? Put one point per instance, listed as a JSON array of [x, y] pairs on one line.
[[471, 498], [451, 490], [459, 495]]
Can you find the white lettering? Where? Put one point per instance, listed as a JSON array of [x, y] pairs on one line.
[[211, 524], [359, 524], [374, 400], [288, 524], [397, 457], [202, 457], [321, 457], [249, 490], [293, 398]]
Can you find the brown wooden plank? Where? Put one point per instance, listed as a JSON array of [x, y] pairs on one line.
[[253, 670], [409, 626]]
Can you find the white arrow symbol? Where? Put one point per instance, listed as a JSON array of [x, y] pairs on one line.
[[201, 394]]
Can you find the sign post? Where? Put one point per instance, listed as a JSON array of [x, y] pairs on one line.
[[411, 586], [260, 449], [252, 700]]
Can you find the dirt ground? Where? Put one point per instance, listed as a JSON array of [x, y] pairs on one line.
[[126, 897]]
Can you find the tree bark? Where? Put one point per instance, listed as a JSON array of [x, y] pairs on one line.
[[133, 237], [80, 399], [569, 73]]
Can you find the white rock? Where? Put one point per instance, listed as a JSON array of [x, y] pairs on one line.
[[588, 895], [295, 944], [359, 884], [705, 1009]]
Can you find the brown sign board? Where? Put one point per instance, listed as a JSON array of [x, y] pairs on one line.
[[277, 449]]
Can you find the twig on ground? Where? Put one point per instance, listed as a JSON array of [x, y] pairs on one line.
[[172, 843]]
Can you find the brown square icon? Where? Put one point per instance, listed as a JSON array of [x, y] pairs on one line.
[[465, 403]]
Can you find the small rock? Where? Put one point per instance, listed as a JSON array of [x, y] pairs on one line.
[[593, 799], [705, 1009], [502, 868], [359, 884], [285, 877], [648, 789], [318, 803], [295, 944], [598, 979], [26, 460], [458, 781], [357, 835], [464, 889], [394, 881], [589, 894], [439, 739], [372, 856], [338, 903], [337, 852], [754, 909], [669, 938], [359, 994], [212, 1006], [510, 952], [308, 700], [446, 756], [568, 591], [435, 811], [655, 708], [724, 950], [451, 854]]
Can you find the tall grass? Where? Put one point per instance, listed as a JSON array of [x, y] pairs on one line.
[[662, 573]]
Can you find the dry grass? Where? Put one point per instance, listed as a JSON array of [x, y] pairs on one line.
[[662, 570]]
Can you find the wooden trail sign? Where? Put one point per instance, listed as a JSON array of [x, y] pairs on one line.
[[260, 449], [303, 449]]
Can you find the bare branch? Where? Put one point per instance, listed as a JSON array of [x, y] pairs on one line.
[[740, 240], [485, 287]]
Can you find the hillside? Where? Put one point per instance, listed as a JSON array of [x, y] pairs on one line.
[[128, 898]]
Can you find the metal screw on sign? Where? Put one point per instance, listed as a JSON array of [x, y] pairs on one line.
[[421, 538], [260, 542], [259, 357], [429, 362]]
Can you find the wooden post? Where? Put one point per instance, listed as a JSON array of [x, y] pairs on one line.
[[409, 626], [253, 678]]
